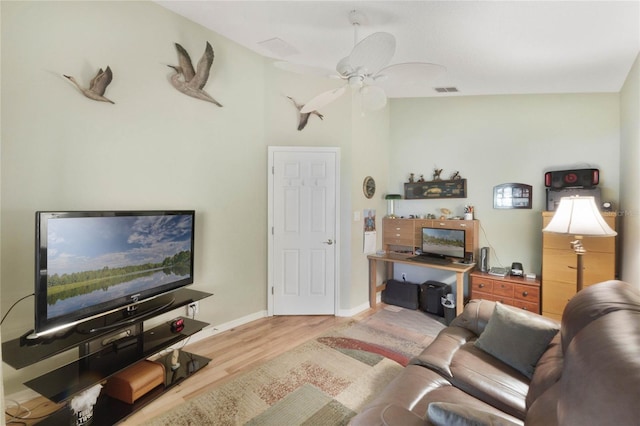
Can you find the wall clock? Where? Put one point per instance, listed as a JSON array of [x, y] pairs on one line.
[[369, 187]]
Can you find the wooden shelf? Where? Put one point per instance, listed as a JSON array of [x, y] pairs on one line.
[[407, 233]]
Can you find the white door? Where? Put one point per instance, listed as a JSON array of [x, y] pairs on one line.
[[303, 203]]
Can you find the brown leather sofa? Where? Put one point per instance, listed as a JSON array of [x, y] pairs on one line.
[[588, 374]]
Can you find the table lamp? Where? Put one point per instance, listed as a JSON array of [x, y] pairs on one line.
[[390, 204], [579, 217]]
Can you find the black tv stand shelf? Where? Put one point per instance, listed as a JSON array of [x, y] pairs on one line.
[[104, 353], [59, 384], [108, 411], [21, 352]]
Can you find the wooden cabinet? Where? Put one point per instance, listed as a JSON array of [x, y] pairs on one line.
[[406, 234], [559, 265], [397, 232], [515, 291]]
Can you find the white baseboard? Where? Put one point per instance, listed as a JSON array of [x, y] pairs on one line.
[[353, 311], [212, 330], [21, 397]]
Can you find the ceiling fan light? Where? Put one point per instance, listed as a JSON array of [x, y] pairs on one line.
[[373, 98], [344, 67], [356, 81]]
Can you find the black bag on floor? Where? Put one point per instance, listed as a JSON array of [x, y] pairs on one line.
[[401, 293], [430, 294]]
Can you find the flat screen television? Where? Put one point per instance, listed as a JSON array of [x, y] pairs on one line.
[[93, 263], [443, 243]]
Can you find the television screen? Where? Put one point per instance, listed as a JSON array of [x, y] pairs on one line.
[[443, 242], [90, 263]]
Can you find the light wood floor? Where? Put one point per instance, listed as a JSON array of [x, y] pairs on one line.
[[232, 352]]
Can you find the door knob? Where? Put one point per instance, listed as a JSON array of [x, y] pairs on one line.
[[329, 241]]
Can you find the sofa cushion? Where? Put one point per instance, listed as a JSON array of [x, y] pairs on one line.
[[475, 315], [544, 410], [394, 415], [447, 414], [595, 301], [601, 372], [414, 389], [516, 338], [440, 353], [485, 377], [548, 370]]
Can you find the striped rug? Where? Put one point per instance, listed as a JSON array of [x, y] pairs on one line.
[[325, 381]]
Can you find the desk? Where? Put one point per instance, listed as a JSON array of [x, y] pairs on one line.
[[390, 259]]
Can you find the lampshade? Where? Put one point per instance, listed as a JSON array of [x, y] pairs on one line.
[[579, 216]]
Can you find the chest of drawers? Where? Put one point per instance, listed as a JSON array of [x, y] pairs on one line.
[[515, 291]]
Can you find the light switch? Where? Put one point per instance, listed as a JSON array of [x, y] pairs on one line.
[[356, 216]]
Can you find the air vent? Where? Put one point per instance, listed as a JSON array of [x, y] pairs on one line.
[[446, 89], [279, 47]]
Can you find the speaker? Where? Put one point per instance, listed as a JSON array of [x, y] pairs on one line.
[[484, 259], [579, 178]]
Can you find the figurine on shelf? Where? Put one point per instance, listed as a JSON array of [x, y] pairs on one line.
[[436, 174], [411, 178], [421, 180], [455, 176]]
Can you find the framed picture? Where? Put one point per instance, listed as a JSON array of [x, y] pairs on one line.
[[456, 188], [512, 196]]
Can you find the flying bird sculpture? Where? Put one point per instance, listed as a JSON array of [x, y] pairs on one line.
[[193, 81], [303, 117], [97, 86]]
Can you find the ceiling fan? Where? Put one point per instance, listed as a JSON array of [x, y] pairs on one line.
[[366, 69]]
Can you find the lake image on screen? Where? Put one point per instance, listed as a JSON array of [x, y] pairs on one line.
[[93, 260], [448, 243]]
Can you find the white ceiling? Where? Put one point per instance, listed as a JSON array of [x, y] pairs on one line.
[[488, 47]]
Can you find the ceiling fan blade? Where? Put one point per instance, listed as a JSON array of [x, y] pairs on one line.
[[323, 99], [371, 54], [402, 79], [373, 97], [303, 69]]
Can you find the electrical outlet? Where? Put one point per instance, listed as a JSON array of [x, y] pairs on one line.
[[192, 309], [404, 276]]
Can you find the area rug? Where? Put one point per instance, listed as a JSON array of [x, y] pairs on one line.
[[325, 381]]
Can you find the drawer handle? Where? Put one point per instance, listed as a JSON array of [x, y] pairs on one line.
[[441, 224], [463, 225], [525, 293], [525, 308], [481, 286], [503, 286]]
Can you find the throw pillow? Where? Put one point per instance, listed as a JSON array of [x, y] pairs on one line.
[[446, 414], [516, 338]]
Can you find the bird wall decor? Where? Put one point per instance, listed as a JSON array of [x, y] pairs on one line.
[[97, 86], [193, 81], [303, 117]]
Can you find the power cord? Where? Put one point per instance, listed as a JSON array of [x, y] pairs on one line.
[[492, 248], [14, 304], [24, 413]]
